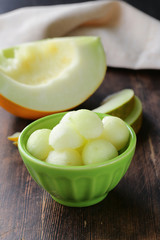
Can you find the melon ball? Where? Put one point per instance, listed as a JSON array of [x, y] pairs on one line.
[[67, 116], [87, 123], [67, 157], [63, 136], [38, 143], [115, 131], [97, 151]]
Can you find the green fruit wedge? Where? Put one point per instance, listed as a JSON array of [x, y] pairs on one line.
[[119, 104], [134, 119], [52, 75]]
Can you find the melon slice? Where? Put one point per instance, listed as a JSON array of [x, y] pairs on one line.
[[14, 138], [119, 104], [134, 119], [53, 75]]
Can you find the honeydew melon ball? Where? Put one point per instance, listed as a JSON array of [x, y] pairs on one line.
[[67, 157], [97, 151], [67, 116], [38, 143], [87, 123], [63, 136], [115, 131]]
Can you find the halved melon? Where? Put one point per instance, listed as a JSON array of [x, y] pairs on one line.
[[53, 75]]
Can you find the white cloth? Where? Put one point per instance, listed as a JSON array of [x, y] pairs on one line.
[[131, 38]]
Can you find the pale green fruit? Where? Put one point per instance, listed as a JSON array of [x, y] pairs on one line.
[[87, 123], [67, 116], [67, 157], [118, 104], [63, 136], [38, 143], [51, 75], [115, 131], [97, 151]]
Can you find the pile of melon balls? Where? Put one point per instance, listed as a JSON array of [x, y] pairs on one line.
[[80, 138]]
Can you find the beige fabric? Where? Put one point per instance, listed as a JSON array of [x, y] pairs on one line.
[[131, 38]]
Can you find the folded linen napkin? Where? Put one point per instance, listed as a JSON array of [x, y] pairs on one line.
[[131, 38]]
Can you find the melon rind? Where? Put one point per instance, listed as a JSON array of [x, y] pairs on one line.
[[134, 119]]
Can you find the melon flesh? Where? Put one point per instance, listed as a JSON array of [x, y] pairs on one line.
[[52, 75], [119, 104]]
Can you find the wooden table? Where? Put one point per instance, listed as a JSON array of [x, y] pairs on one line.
[[130, 212]]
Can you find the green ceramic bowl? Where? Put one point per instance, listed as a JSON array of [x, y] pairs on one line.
[[75, 186]]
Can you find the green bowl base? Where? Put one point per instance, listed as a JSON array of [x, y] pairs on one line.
[[80, 204]]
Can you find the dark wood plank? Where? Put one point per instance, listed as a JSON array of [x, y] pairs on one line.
[[130, 211]]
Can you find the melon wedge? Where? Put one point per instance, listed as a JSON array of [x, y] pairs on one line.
[[119, 104], [14, 138], [134, 119], [53, 75]]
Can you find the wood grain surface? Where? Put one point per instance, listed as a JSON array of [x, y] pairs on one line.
[[130, 212]]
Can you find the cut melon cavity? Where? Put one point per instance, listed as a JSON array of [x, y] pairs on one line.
[[53, 75], [38, 64], [119, 104]]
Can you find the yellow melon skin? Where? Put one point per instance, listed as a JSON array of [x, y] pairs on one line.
[[50, 76], [20, 111]]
